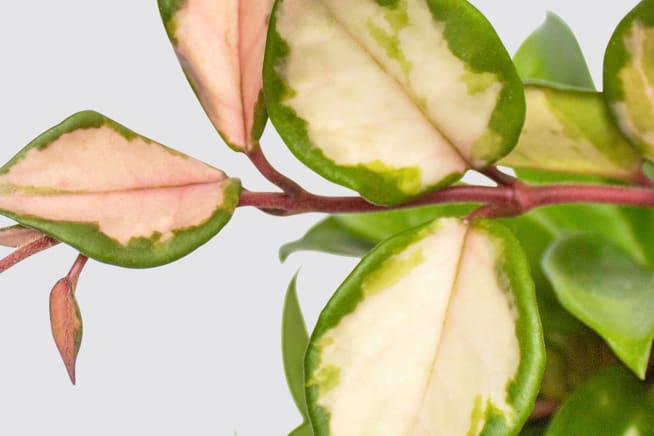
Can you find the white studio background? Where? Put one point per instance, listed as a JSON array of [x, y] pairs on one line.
[[191, 348]]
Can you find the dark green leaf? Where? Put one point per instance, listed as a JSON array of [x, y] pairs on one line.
[[608, 290], [294, 344], [302, 430], [613, 403], [551, 55], [355, 234]]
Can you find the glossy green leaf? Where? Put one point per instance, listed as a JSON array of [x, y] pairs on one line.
[[294, 344], [629, 76], [435, 331], [114, 195], [329, 236], [552, 56], [303, 430], [572, 131], [613, 403], [220, 45], [609, 291], [391, 98], [355, 234]]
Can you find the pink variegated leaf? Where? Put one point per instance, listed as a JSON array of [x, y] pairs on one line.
[[114, 195], [220, 44], [17, 236]]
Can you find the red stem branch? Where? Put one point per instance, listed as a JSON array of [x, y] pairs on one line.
[[26, 251], [515, 199], [266, 169]]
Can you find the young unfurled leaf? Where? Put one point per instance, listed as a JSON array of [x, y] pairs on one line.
[[16, 236], [606, 289], [114, 195], [65, 317], [572, 131], [435, 331], [612, 403], [356, 234], [294, 344], [629, 76], [220, 45], [552, 56], [66, 323], [391, 98]]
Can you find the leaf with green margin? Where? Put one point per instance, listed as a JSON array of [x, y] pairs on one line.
[[294, 344], [379, 361], [612, 403], [609, 291], [324, 89], [356, 234], [114, 195], [629, 76], [571, 131], [552, 56], [221, 50]]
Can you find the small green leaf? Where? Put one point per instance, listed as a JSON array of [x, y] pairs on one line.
[[329, 236], [572, 132], [302, 430], [392, 99], [221, 51], [629, 76], [356, 234], [294, 344], [435, 331], [114, 195], [552, 56], [609, 291], [612, 403]]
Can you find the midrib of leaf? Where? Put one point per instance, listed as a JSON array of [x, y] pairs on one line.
[[6, 189], [437, 349], [408, 92]]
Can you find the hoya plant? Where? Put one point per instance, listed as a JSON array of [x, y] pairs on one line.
[[523, 306]]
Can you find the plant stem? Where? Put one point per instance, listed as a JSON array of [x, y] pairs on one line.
[[26, 251], [516, 198], [266, 169], [543, 409]]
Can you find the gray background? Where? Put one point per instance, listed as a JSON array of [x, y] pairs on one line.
[[190, 348]]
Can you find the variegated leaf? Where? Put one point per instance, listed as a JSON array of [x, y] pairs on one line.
[[220, 45], [66, 323], [435, 332], [114, 195], [391, 98], [572, 131], [16, 236], [629, 76]]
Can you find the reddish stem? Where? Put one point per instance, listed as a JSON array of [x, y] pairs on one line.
[[518, 198], [264, 166], [26, 251], [76, 269], [543, 409], [497, 176]]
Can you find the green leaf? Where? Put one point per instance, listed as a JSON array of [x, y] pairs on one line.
[[612, 403], [294, 344], [329, 236], [552, 56], [391, 98], [221, 51], [114, 195], [434, 327], [356, 234], [629, 76], [572, 132], [608, 290], [302, 430]]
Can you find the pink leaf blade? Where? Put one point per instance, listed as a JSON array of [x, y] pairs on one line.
[[220, 45], [66, 323], [18, 236], [114, 195]]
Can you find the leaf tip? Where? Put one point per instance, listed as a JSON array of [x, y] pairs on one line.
[[66, 324]]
